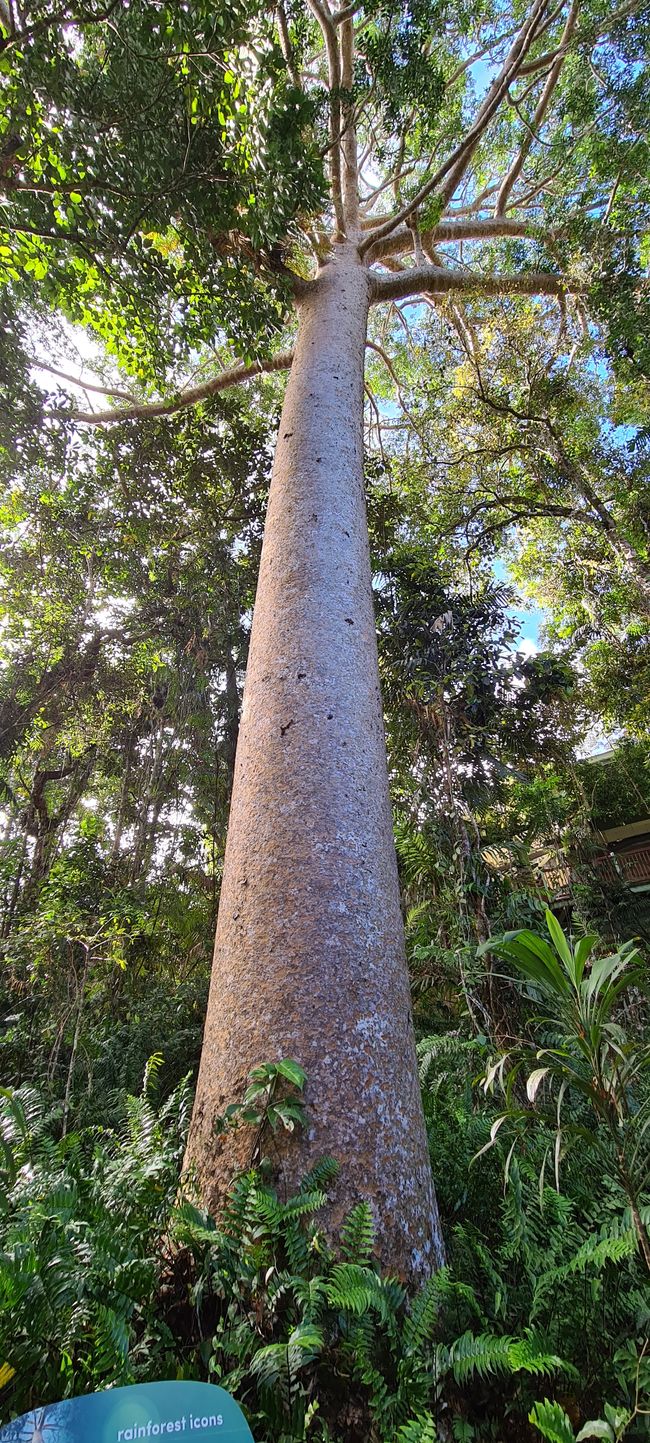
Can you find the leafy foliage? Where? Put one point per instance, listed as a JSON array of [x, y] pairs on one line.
[[82, 1218], [588, 1052]]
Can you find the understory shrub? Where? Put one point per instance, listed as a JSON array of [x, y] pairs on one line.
[[110, 1275]]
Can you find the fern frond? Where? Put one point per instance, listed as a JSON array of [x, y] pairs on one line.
[[358, 1234], [296, 1242], [321, 1176], [357, 1289], [151, 1074], [303, 1204], [422, 1317], [485, 1353], [552, 1422], [279, 1364], [418, 1430]]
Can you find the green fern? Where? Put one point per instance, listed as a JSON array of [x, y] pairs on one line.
[[357, 1289], [321, 1176], [485, 1354], [418, 1430], [552, 1422], [279, 1365], [423, 1315], [79, 1254], [358, 1234]]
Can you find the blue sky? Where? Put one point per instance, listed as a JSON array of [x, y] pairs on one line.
[[530, 618]]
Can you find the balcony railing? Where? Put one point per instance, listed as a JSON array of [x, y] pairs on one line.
[[632, 867]]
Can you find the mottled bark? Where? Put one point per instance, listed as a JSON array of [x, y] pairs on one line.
[[231, 728], [309, 956]]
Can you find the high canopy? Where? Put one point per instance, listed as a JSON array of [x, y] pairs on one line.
[[170, 172]]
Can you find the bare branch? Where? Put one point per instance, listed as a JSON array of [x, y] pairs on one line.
[[347, 12], [436, 280], [455, 165], [379, 350], [286, 46], [378, 424], [349, 136], [334, 70], [148, 409], [83, 385], [479, 54], [495, 95], [465, 332], [589, 33], [529, 514], [540, 111], [471, 207], [368, 201], [491, 228]]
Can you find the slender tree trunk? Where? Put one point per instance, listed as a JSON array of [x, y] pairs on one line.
[[124, 797], [309, 955], [7, 921], [81, 997], [632, 565], [150, 804], [231, 729]]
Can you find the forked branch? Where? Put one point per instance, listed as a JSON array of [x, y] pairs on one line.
[[148, 409], [453, 168], [540, 112]]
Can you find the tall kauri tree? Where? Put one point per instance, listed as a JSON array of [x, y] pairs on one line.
[[184, 181]]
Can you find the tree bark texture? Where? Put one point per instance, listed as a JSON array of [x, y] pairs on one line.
[[309, 955]]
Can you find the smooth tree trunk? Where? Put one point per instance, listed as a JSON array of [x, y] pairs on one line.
[[309, 955]]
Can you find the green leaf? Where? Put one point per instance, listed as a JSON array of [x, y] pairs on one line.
[[552, 1422], [560, 942], [582, 950], [292, 1071]]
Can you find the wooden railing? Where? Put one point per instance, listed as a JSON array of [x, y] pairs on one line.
[[631, 867]]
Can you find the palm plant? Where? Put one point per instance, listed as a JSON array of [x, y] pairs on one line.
[[586, 1053]]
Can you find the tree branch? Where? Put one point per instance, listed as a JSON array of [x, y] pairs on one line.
[[437, 280], [148, 409], [83, 385], [347, 12], [286, 46], [334, 71], [453, 168], [349, 135], [491, 228], [590, 33], [60, 17], [496, 93], [540, 111]]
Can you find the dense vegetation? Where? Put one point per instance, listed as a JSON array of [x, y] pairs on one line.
[[506, 461], [113, 844]]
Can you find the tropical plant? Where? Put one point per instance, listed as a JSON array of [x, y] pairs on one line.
[[586, 1051]]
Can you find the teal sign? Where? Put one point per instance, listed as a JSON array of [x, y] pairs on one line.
[[187, 1412]]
